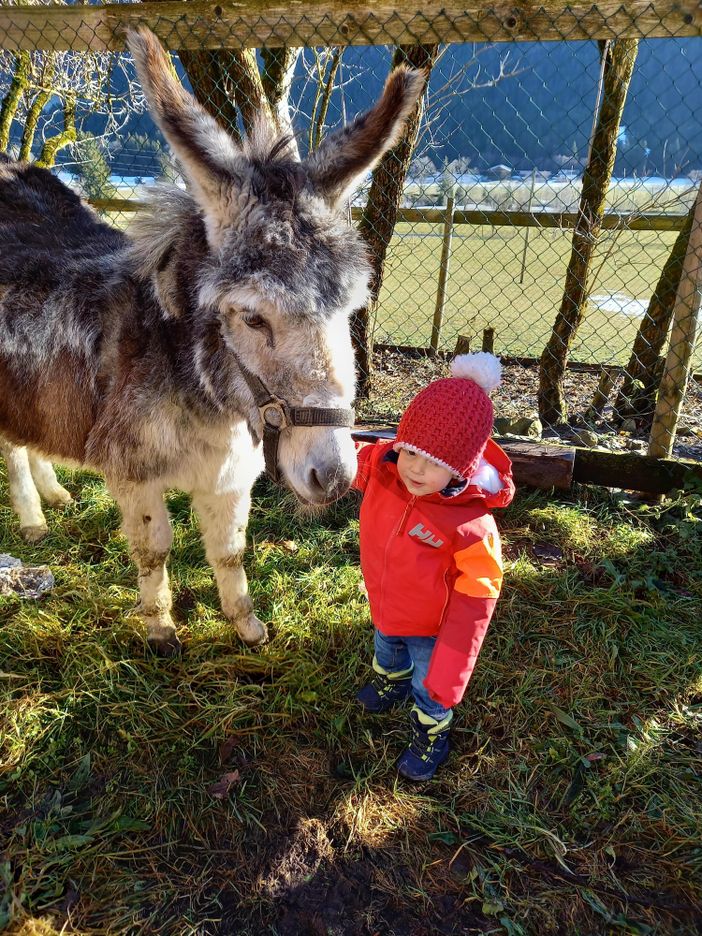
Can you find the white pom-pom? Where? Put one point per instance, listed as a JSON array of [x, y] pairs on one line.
[[482, 368]]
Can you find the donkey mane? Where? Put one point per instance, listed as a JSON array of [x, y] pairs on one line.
[[158, 226]]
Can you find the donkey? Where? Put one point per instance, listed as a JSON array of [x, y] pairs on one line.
[[215, 332]]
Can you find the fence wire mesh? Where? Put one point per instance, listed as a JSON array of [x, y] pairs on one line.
[[545, 207]]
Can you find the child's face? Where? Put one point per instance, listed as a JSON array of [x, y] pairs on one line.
[[419, 475]]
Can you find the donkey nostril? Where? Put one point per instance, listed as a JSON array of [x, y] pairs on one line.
[[328, 483]]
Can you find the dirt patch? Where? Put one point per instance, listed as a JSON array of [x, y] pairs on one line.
[[311, 888]]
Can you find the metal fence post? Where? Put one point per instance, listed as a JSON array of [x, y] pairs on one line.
[[443, 272], [526, 229], [682, 341]]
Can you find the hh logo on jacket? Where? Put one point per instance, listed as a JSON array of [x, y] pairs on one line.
[[426, 536]]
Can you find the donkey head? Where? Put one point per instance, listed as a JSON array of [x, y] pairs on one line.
[[284, 270]]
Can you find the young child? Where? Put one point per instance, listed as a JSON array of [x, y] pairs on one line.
[[430, 552]]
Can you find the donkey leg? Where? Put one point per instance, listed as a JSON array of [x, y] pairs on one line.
[[146, 525], [46, 481], [24, 496], [223, 520]]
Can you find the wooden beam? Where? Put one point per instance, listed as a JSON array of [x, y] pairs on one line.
[[533, 464], [202, 24], [444, 266], [535, 219], [550, 219], [542, 465], [683, 334], [634, 472]]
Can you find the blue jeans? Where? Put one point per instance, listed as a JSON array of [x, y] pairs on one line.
[[396, 654]]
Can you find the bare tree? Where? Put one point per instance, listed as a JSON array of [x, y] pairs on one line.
[[380, 214], [46, 97], [619, 57]]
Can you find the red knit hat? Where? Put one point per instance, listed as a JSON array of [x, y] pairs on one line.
[[450, 421]]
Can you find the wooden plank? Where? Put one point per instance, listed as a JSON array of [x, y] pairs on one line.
[[542, 466], [117, 204], [552, 219], [634, 472], [202, 24], [536, 219]]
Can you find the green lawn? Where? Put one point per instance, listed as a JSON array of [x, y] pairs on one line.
[[484, 288], [569, 805]]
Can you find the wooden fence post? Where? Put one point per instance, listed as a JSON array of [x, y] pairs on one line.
[[489, 340], [443, 272], [608, 375], [682, 340]]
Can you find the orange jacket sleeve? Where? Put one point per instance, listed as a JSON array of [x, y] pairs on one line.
[[470, 607]]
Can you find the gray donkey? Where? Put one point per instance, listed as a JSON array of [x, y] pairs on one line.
[[215, 333]]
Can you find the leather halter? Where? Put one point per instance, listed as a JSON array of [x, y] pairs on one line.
[[277, 414]]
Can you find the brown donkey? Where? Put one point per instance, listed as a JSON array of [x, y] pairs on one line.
[[216, 330]]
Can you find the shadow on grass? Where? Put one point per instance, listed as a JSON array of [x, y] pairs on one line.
[[232, 791]]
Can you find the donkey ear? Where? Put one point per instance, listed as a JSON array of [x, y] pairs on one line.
[[207, 154], [334, 168]]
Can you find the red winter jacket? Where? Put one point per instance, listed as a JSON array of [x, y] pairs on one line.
[[433, 564]]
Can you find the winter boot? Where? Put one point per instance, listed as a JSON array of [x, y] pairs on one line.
[[385, 689], [429, 746]]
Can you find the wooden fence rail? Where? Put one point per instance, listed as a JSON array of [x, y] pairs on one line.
[[201, 24], [533, 219]]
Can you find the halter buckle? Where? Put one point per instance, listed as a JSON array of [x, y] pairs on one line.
[[274, 414]]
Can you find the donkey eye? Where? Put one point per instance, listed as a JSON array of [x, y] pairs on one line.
[[255, 321]]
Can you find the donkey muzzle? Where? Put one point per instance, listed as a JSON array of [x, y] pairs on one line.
[[276, 415]]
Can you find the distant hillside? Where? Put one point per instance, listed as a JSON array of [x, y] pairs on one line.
[[543, 111]]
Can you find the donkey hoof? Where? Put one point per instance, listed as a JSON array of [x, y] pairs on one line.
[[252, 631], [34, 534], [59, 498], [161, 634], [165, 646]]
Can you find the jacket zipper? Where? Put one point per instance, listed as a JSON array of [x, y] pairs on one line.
[[403, 518], [398, 532]]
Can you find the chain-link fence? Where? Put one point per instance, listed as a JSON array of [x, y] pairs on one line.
[[545, 203]]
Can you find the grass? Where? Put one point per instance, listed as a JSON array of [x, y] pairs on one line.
[[484, 288], [569, 805]]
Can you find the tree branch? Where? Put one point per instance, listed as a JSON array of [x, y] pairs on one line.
[[10, 103], [51, 147]]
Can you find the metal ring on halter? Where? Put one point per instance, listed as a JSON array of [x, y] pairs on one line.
[[277, 415]]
